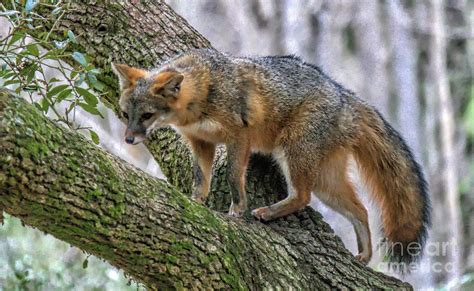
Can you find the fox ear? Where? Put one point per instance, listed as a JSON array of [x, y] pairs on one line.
[[168, 84], [127, 75]]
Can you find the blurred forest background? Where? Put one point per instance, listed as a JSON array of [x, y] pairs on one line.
[[413, 60]]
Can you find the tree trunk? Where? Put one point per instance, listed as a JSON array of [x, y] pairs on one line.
[[56, 181], [373, 54], [298, 28], [441, 86], [404, 74], [333, 17]]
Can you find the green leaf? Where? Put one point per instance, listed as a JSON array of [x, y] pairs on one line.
[[23, 72], [15, 37], [79, 58], [91, 109], [73, 74], [71, 36], [88, 96], [37, 105], [45, 105], [33, 49], [85, 263], [95, 83], [9, 74], [10, 82], [80, 80], [6, 73], [56, 90], [31, 73], [63, 95], [19, 58], [30, 5], [99, 86], [53, 80], [72, 105], [92, 78], [89, 67], [50, 55], [95, 71], [94, 136]]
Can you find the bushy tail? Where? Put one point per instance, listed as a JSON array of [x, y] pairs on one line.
[[397, 184]]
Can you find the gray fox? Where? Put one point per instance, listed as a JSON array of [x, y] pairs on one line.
[[311, 125]]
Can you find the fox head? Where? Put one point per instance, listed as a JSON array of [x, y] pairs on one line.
[[149, 100]]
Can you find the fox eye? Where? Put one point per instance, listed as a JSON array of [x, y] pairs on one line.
[[146, 116], [125, 115]]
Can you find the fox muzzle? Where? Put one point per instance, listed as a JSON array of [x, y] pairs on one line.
[[133, 138]]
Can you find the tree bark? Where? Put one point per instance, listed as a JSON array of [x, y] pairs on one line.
[[56, 181]]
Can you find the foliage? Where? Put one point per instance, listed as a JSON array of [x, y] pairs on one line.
[[50, 264], [24, 60]]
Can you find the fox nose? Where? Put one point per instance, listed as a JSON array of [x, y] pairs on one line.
[[129, 139]]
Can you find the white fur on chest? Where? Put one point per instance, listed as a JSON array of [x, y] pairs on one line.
[[206, 126]]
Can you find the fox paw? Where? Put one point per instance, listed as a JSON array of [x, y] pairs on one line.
[[262, 213], [363, 258], [236, 210]]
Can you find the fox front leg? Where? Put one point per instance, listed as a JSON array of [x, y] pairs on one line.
[[203, 153], [238, 155]]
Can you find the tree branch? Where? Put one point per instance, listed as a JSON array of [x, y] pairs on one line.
[[55, 180]]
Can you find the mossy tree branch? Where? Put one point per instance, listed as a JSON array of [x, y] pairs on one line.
[[55, 180]]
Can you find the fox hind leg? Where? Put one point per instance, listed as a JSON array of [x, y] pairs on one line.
[[335, 189], [346, 202], [299, 186]]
